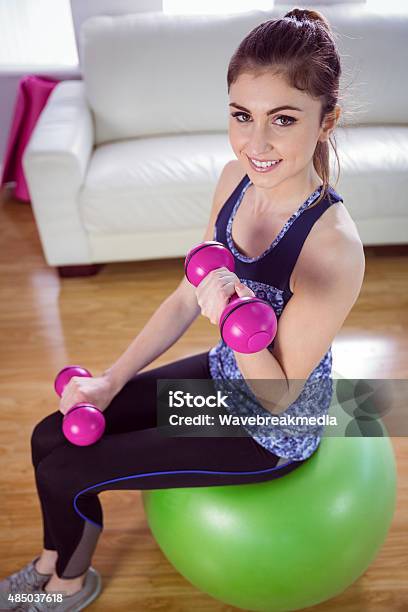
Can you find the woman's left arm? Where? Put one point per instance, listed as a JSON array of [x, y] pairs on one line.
[[324, 294]]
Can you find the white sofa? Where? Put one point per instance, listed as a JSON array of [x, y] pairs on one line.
[[122, 165]]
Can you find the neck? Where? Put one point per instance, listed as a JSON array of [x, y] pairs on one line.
[[285, 197]]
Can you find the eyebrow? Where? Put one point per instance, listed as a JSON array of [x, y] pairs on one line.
[[273, 110]]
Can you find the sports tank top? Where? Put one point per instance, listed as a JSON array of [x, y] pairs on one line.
[[268, 276]]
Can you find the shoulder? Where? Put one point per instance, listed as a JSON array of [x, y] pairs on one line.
[[230, 177], [333, 252], [343, 255]]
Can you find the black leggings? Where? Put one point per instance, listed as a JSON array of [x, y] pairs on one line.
[[132, 455]]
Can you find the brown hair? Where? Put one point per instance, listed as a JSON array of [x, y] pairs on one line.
[[300, 46]]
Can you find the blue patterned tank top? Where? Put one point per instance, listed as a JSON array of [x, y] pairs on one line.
[[268, 276]]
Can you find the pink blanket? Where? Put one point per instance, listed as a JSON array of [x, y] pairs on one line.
[[32, 94]]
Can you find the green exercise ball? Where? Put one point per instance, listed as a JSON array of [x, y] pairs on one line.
[[288, 543]]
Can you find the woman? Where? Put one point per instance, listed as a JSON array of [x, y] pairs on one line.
[[294, 244]]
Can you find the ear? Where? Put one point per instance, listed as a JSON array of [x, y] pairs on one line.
[[329, 123]]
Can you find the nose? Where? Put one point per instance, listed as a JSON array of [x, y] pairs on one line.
[[259, 144]]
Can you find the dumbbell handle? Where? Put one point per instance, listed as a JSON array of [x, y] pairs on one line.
[[83, 423], [64, 376], [247, 324]]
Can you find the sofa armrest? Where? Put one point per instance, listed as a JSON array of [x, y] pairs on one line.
[[64, 133], [55, 163]]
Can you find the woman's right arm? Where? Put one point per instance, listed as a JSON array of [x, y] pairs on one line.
[[178, 311]]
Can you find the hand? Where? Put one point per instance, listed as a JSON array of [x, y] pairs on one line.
[[96, 390], [215, 291]]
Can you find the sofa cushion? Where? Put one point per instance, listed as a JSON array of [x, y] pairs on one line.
[[153, 184], [167, 183], [374, 173], [154, 73]]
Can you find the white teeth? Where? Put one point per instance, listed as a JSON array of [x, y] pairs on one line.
[[264, 164]]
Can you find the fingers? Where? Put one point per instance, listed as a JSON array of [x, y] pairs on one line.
[[215, 290], [215, 281], [72, 394], [243, 290], [213, 302]]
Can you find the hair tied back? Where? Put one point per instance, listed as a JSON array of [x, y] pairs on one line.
[[305, 15]]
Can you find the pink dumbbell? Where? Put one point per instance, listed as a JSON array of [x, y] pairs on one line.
[[247, 324], [84, 423]]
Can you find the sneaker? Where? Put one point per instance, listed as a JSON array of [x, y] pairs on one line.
[[26, 580], [70, 603]]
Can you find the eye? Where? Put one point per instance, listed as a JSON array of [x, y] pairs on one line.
[[239, 115], [292, 120]]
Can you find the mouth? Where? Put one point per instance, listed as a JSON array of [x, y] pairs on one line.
[[265, 166]]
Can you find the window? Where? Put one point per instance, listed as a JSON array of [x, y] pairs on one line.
[[37, 32], [179, 7], [41, 32]]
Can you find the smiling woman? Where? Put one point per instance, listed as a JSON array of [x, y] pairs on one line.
[[294, 243], [294, 246], [302, 75]]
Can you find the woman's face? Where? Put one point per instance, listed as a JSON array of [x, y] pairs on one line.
[[286, 134]]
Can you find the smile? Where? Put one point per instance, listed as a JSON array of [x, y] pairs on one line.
[[264, 166]]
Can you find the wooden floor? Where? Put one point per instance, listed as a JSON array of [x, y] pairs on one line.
[[46, 323]]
